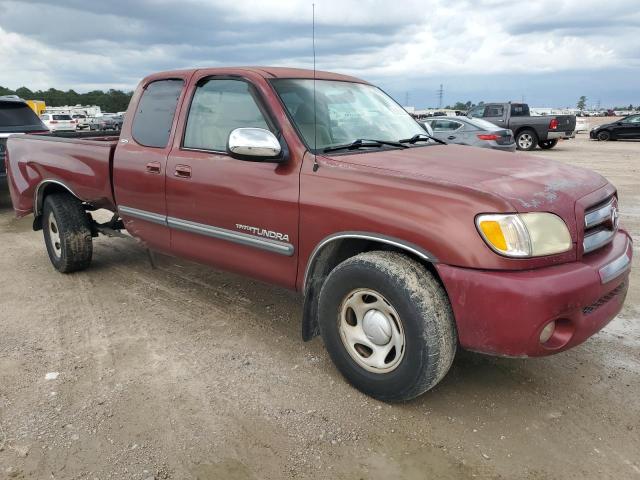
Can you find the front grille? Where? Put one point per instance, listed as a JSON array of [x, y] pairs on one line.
[[3, 155], [604, 299], [600, 225]]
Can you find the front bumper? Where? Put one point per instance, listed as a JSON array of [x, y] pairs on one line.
[[503, 313], [564, 135]]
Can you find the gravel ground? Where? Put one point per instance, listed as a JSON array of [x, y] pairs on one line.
[[184, 372]]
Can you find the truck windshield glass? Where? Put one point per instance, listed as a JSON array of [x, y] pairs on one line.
[[345, 112]]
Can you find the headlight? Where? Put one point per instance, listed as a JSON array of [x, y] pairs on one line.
[[525, 234]]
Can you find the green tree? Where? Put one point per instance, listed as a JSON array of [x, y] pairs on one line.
[[582, 103]]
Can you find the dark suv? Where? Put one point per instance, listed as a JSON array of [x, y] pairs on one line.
[[15, 117]]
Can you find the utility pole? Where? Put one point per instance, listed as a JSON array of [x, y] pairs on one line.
[[440, 95]]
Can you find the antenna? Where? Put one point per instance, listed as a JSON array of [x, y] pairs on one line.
[[315, 117]]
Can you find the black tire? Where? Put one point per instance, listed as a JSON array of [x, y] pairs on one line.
[[526, 140], [548, 144], [604, 136], [425, 316], [67, 233]]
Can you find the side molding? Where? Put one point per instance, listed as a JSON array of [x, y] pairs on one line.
[[274, 246], [374, 237]]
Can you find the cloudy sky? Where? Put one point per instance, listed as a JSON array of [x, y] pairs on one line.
[[548, 52]]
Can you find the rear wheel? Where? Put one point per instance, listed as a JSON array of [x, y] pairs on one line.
[[67, 233], [387, 325], [548, 144], [526, 140], [604, 136]]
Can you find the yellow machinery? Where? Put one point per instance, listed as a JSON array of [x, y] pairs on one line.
[[37, 106]]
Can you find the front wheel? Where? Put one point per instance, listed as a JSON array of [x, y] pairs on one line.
[[548, 144], [604, 136], [387, 325], [67, 233], [526, 140]]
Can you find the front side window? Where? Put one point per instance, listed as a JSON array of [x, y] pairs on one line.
[[633, 119], [217, 108], [494, 111], [344, 112], [154, 115]]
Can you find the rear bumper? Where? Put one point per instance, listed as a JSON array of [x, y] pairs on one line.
[[503, 313], [505, 148], [564, 135]]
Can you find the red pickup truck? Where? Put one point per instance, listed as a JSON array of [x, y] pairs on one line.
[[403, 248]]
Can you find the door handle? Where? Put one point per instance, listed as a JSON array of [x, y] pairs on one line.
[[183, 171], [451, 137], [153, 167]]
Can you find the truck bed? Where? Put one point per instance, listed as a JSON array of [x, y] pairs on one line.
[[82, 162]]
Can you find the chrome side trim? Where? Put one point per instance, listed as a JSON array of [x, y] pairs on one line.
[[144, 215], [37, 203], [283, 248], [407, 246], [596, 240], [617, 267], [596, 217]]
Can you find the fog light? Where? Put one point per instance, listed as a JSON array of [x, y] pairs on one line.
[[547, 332]]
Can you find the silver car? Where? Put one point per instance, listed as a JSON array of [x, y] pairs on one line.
[[472, 131]]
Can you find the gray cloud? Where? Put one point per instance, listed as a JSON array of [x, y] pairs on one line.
[[401, 45]]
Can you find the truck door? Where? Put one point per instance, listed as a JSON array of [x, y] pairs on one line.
[[237, 215], [140, 161], [495, 113]]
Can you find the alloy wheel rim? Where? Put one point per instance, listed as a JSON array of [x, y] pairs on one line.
[[371, 331], [525, 140], [54, 235]]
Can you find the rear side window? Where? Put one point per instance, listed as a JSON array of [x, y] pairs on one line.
[[446, 125], [519, 110], [217, 108], [155, 112], [17, 114]]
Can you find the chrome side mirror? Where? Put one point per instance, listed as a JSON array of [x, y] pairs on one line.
[[253, 144]]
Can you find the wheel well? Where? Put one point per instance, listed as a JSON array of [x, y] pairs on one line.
[[522, 129], [329, 257], [43, 191]]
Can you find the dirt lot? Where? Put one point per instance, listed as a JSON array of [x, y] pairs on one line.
[[187, 373]]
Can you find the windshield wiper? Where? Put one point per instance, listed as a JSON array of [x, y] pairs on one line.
[[421, 137], [364, 143]]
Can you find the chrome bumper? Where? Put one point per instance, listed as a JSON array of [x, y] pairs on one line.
[[617, 267]]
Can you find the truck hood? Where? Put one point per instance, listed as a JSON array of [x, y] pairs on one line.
[[527, 182]]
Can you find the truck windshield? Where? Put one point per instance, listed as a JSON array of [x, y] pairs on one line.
[[345, 112]]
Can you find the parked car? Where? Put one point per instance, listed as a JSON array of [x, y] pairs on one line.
[[106, 122], [82, 119], [472, 131], [625, 128], [59, 122], [582, 124], [402, 247], [16, 117], [529, 131]]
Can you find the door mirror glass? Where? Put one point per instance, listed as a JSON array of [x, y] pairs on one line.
[[253, 143]]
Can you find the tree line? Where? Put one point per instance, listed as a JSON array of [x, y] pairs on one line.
[[110, 101]]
